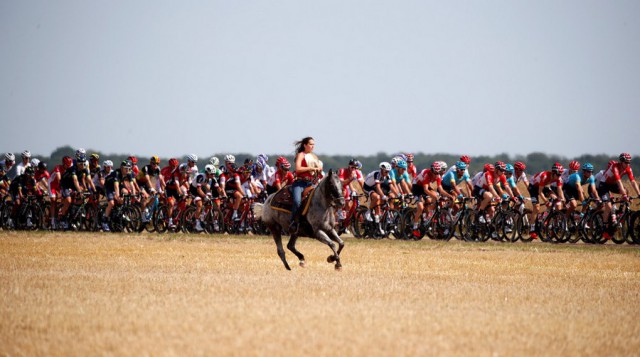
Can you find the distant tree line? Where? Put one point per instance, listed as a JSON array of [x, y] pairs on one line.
[[535, 162]]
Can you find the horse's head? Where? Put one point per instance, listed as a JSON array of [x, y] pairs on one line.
[[333, 190]]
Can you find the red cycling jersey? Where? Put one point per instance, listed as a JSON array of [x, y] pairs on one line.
[[615, 172], [543, 179], [347, 174], [285, 177], [426, 176], [412, 170]]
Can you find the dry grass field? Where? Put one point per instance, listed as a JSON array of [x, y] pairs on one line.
[[106, 294]]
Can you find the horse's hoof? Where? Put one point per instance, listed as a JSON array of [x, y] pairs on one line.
[[302, 263], [338, 267], [331, 259]]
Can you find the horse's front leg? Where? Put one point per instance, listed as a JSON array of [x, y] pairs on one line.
[[292, 247], [336, 238], [323, 237]]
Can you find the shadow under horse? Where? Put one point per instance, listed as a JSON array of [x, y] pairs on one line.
[[317, 218]]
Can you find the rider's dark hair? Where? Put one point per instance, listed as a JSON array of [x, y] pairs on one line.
[[300, 144]]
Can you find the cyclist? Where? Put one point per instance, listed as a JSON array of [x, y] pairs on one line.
[[18, 169], [422, 189], [249, 187], [412, 170], [134, 165], [173, 185], [261, 174], [9, 161], [54, 187], [192, 160], [348, 175], [518, 173], [454, 177], [379, 186], [4, 181], [511, 181], [232, 188], [573, 187], [126, 179], [150, 180], [111, 184], [41, 176], [574, 166], [484, 189], [610, 181], [400, 177], [73, 179], [281, 177], [200, 187], [21, 186], [539, 186], [94, 165]]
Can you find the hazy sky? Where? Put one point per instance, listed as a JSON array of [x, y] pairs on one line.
[[172, 77]]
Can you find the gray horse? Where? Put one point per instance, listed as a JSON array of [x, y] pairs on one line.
[[319, 221]]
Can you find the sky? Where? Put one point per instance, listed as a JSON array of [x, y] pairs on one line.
[[168, 78]]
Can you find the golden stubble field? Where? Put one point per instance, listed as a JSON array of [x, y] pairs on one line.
[[107, 294]]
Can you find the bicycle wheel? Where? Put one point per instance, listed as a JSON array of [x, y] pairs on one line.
[[556, 227], [407, 223], [213, 221], [621, 230], [359, 225], [161, 219], [506, 228], [131, 219], [634, 227], [92, 219], [523, 227], [188, 220], [391, 223], [597, 228]]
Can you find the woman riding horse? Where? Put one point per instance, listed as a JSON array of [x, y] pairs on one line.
[[307, 169]]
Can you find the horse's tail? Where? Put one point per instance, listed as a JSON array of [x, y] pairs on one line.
[[257, 210]]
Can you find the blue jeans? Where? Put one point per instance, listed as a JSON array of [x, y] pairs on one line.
[[297, 188]]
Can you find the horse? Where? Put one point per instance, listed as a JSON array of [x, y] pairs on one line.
[[318, 222]]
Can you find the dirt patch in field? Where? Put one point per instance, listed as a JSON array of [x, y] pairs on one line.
[[82, 294]]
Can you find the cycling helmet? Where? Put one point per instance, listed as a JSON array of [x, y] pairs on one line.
[[489, 167], [10, 156], [461, 166], [385, 166], [262, 157], [230, 159], [67, 161], [508, 168], [409, 157], [402, 156], [126, 163], [353, 162], [34, 162], [248, 162], [280, 160], [625, 157], [500, 165], [435, 167], [519, 165], [214, 161], [133, 159], [557, 169], [259, 165], [154, 160], [173, 162], [587, 167], [402, 164], [466, 159], [94, 156], [183, 168], [210, 169], [358, 165], [285, 165], [80, 151], [81, 159], [42, 165], [29, 171], [192, 157], [574, 165], [26, 154], [443, 166], [107, 163], [394, 161]]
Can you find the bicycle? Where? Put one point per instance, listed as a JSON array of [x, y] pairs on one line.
[[126, 217], [551, 225], [350, 217]]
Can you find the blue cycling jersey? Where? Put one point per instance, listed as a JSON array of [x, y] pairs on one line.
[[578, 179], [451, 178], [511, 182], [404, 177]]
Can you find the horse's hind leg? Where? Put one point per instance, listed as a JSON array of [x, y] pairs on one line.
[[336, 238], [277, 237], [292, 247], [323, 237]]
